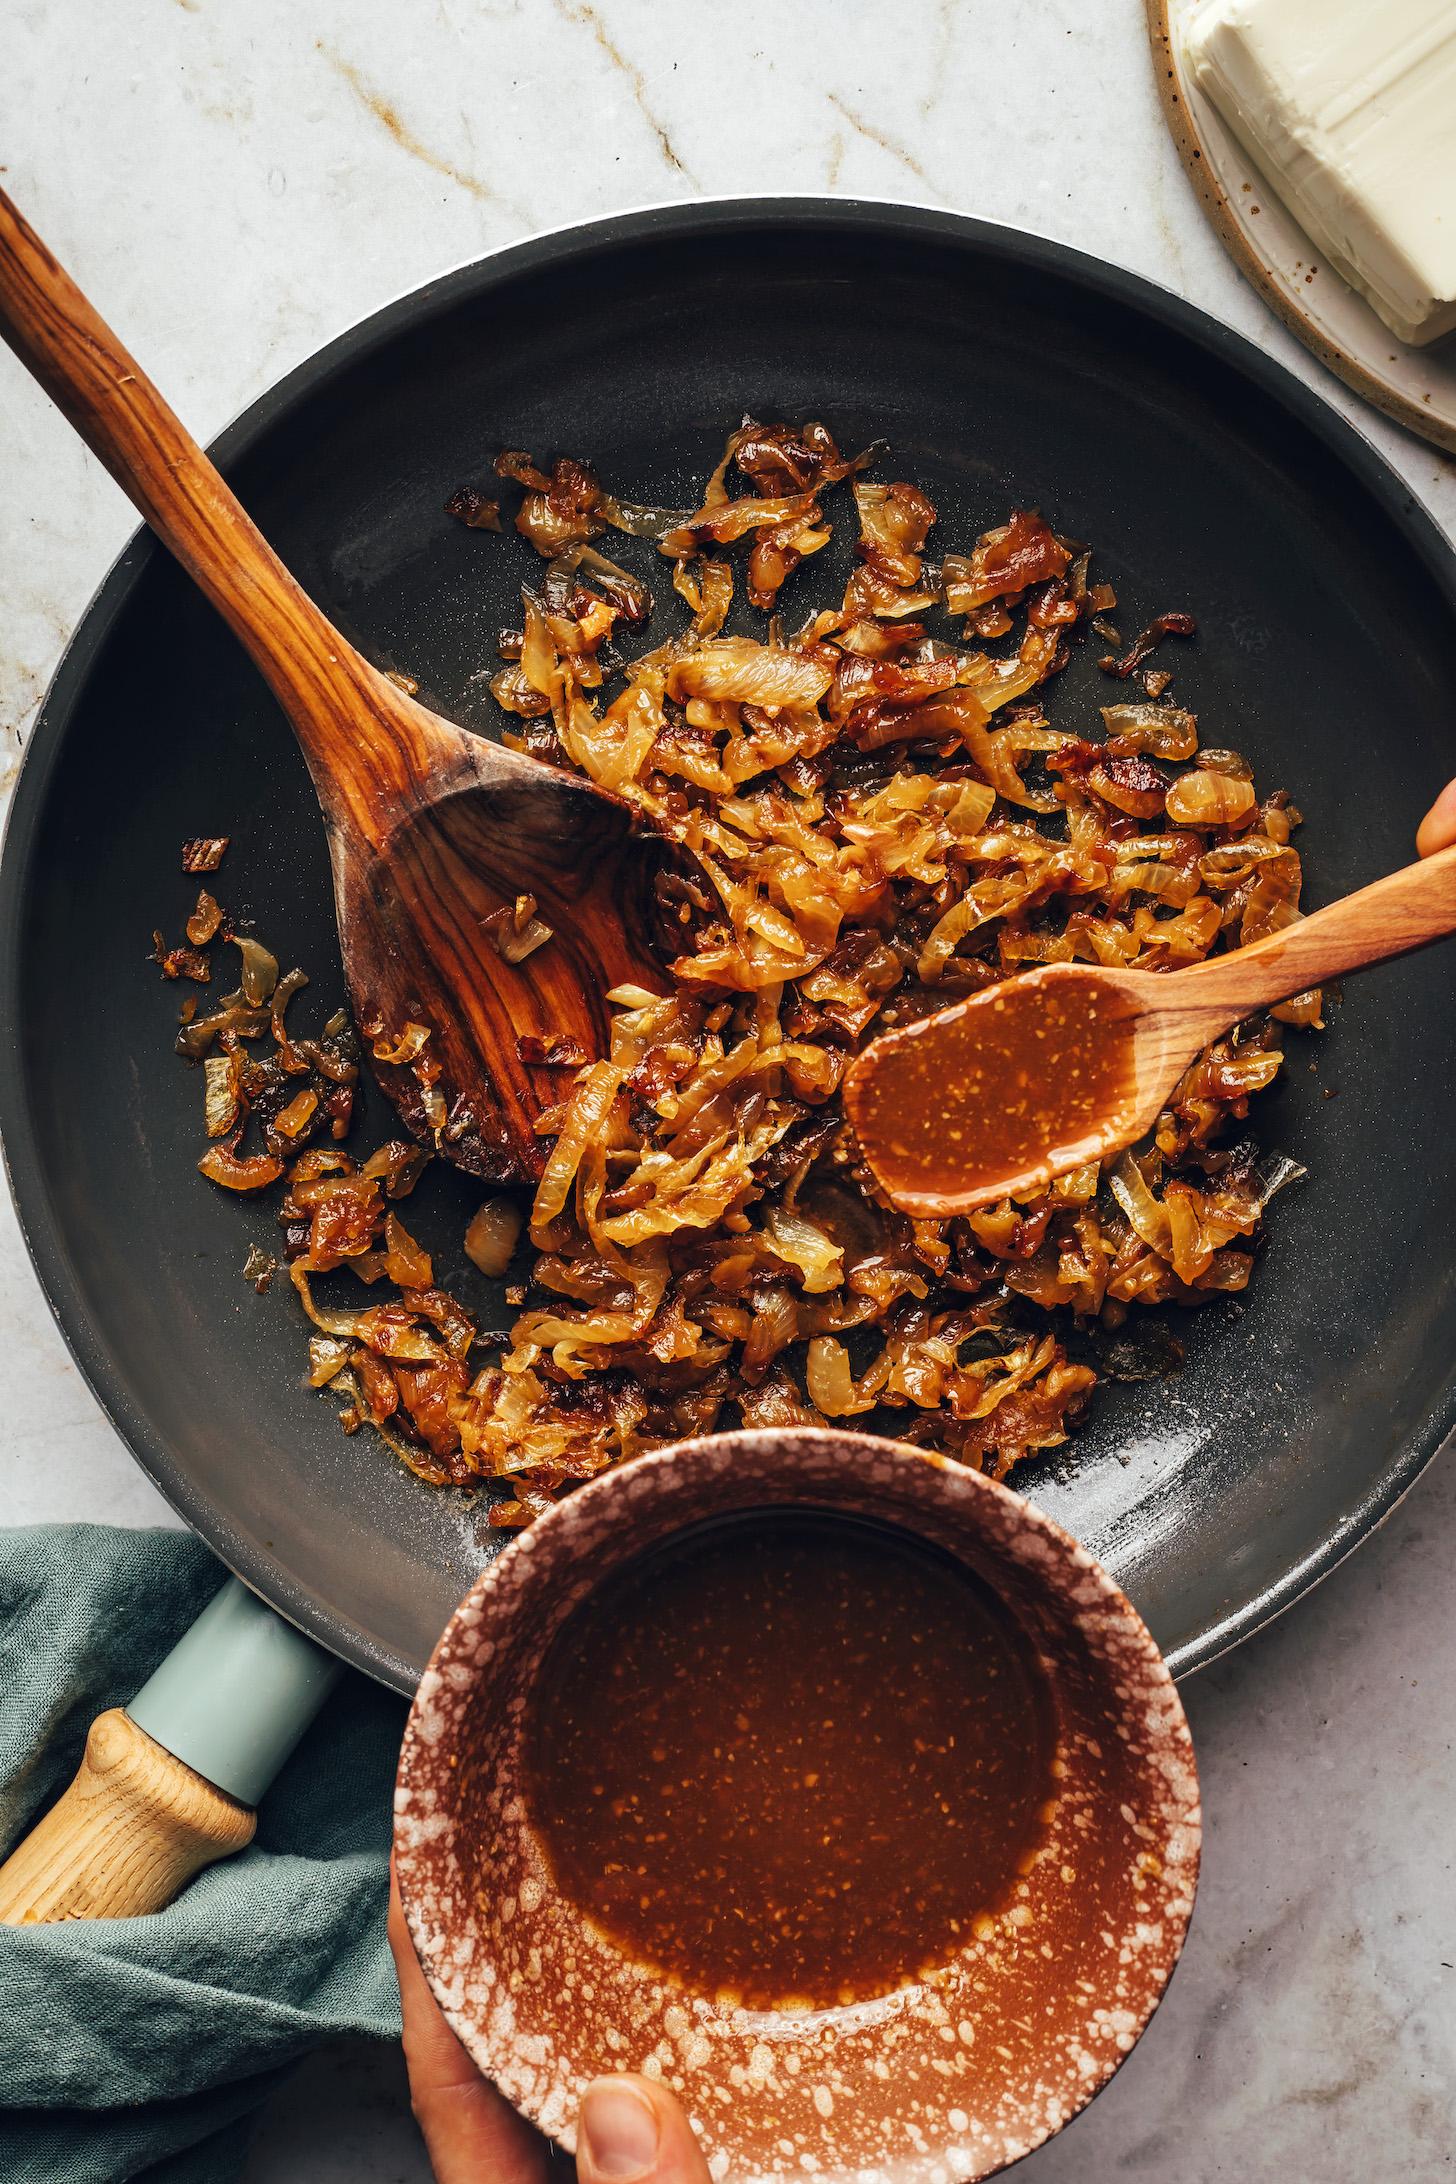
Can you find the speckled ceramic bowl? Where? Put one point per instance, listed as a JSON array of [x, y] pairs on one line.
[[952, 2078]]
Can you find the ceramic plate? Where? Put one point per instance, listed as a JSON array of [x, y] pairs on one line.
[[1417, 387]]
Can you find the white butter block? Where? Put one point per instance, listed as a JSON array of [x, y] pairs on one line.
[[1348, 107]]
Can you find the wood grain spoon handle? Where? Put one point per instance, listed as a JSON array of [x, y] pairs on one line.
[[435, 834], [1392, 917], [317, 676]]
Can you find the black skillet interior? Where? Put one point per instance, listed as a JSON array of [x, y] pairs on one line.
[[1003, 371]]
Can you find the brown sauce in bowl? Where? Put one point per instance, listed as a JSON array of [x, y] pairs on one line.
[[789, 1759]]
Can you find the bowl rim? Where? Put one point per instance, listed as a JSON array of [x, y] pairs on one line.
[[1060, 1567]]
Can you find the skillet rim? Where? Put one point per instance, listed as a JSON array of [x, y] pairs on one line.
[[675, 222]]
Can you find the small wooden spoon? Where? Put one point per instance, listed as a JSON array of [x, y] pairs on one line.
[[433, 831], [1043, 1073]]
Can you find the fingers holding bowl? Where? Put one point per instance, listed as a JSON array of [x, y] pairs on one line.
[[472, 2133]]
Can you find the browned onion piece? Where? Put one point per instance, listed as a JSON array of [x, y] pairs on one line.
[[894, 523], [830, 1380], [551, 529], [472, 508], [735, 670], [1165, 731], [734, 519], [407, 1046], [1305, 1008], [221, 1097], [260, 971], [1021, 552], [494, 1232], [180, 962], [297, 1115], [204, 921], [327, 1357], [626, 592], [219, 1166], [513, 942], [1161, 626], [204, 853], [512, 463], [644, 522], [1207, 799], [1130, 784], [513, 691], [1227, 762], [404, 1261]]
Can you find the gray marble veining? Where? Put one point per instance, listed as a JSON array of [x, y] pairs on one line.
[[235, 185]]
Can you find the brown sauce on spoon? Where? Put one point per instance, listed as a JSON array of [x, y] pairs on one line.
[[985, 1093], [789, 1759]]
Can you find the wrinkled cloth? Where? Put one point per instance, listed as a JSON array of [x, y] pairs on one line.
[[141, 2048]]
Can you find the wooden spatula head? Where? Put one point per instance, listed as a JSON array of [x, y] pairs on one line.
[[1009, 1088], [427, 887]]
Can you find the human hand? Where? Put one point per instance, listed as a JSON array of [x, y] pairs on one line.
[[629, 2131], [1438, 829]]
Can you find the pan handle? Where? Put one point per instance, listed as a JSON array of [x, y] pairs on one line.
[[169, 1785], [128, 1834]]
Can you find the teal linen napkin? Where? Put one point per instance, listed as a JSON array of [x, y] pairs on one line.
[[140, 2048]]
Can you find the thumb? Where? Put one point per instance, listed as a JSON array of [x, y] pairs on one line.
[[632, 2131], [1438, 828]]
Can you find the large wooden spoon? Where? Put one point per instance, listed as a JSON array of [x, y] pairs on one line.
[[1040, 1074], [433, 832]]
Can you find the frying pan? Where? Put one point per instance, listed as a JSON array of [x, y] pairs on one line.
[[1003, 370]]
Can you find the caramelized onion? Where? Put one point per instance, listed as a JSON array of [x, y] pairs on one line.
[[802, 1243], [736, 671], [472, 508], [1208, 799], [858, 813], [411, 1042], [221, 1095], [204, 921], [1227, 762], [260, 972], [494, 1232], [644, 522], [1165, 731], [404, 1261], [830, 1381], [327, 1357], [204, 853], [296, 1115], [219, 1166]]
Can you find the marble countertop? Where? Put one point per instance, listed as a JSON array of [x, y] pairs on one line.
[[234, 186]]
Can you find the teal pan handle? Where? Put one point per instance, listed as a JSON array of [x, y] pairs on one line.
[[235, 1694], [168, 1784]]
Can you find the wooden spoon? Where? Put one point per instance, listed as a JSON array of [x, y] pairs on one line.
[[433, 832], [1040, 1074]]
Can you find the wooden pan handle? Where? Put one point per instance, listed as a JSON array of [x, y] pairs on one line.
[[131, 1830], [122, 418], [1393, 917]]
